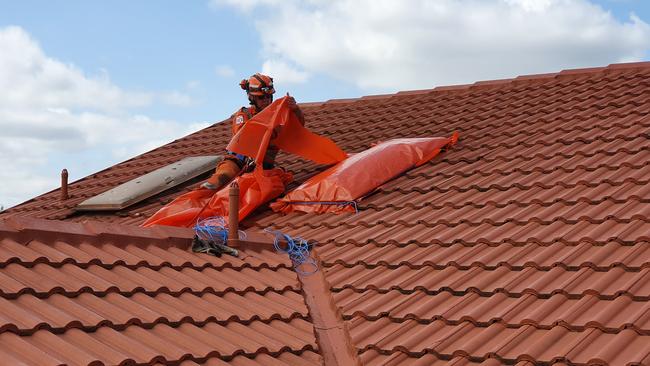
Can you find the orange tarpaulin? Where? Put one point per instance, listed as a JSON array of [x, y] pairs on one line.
[[336, 189], [260, 186], [291, 136], [255, 188]]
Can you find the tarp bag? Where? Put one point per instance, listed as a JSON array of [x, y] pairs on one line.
[[338, 188]]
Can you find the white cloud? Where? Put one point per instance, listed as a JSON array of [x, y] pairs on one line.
[[224, 71], [532, 5], [177, 99], [30, 79], [398, 45], [50, 110], [243, 5], [192, 84], [280, 70]]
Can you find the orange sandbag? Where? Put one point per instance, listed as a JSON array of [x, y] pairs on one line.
[[255, 189], [337, 189], [292, 136]]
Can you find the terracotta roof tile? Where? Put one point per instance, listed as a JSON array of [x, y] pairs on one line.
[[111, 294], [611, 316], [307, 358], [526, 244], [496, 340], [163, 342]]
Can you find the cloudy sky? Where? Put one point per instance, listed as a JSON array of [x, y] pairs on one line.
[[84, 85]]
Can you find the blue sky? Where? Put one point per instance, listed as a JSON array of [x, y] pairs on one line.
[[158, 45], [114, 79]]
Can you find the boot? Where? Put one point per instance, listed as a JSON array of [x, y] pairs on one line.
[[226, 171]]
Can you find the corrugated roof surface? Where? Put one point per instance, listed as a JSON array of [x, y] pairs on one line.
[[528, 242], [100, 294]]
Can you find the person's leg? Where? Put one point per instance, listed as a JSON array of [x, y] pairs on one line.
[[226, 171]]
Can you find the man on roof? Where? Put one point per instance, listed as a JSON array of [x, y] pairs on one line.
[[259, 89]]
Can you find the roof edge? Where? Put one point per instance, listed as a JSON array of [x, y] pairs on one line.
[[490, 83], [42, 228]]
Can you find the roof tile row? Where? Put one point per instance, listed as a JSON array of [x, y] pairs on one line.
[[160, 343], [83, 294], [578, 314], [586, 281], [506, 344], [569, 257]]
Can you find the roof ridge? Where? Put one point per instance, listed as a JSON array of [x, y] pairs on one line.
[[36, 228], [489, 82]]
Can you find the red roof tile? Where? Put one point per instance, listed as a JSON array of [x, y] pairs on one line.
[[82, 294], [525, 244]]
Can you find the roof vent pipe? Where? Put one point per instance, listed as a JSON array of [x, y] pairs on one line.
[[233, 215], [64, 184]]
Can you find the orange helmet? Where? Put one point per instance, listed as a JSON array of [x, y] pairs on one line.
[[258, 84]]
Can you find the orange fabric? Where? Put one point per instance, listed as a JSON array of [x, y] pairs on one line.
[[361, 173], [291, 137], [225, 172], [241, 117], [255, 189]]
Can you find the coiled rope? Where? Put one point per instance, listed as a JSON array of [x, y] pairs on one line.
[[213, 234], [298, 251]]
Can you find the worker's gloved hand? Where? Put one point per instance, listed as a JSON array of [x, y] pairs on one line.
[[249, 166], [294, 107], [292, 102]]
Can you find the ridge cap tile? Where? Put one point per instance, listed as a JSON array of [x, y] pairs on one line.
[[451, 88], [28, 226], [341, 101], [377, 96], [629, 65], [310, 104], [585, 70], [413, 92], [541, 76], [9, 226], [494, 82]]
